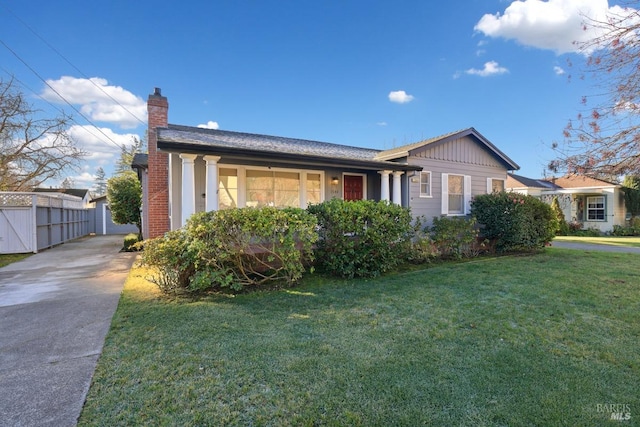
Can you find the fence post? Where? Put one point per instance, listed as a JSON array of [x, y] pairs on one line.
[[34, 220]]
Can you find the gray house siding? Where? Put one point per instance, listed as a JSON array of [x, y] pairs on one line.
[[458, 157]]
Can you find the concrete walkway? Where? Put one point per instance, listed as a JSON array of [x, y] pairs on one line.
[[55, 310], [595, 247]]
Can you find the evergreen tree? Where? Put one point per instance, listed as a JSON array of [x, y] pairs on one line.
[[100, 182]]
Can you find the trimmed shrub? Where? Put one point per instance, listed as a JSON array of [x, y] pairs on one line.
[[422, 249], [233, 249], [130, 241], [513, 222], [563, 227], [361, 238], [171, 261], [455, 237]]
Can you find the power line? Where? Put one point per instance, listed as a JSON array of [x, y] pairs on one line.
[[60, 110], [72, 65], [57, 93]]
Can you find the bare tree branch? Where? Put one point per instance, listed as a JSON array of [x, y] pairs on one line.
[[32, 149]]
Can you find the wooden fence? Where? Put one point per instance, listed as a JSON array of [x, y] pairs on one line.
[[30, 222]]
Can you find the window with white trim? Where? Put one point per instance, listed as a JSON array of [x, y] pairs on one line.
[[456, 194], [227, 188], [425, 184], [273, 188], [596, 208], [495, 185]]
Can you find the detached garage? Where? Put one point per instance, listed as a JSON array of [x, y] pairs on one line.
[[102, 223]]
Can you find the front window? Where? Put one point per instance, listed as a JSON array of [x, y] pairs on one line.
[[497, 185], [456, 194], [314, 188], [273, 188], [425, 184], [227, 188], [595, 208]]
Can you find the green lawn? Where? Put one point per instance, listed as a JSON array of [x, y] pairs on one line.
[[604, 240], [529, 340], [6, 259]]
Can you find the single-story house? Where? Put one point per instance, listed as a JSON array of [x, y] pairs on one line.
[[594, 203], [191, 169]]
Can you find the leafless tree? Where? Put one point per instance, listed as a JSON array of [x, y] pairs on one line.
[[604, 140], [33, 149]]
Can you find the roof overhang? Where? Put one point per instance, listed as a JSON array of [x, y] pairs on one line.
[[239, 155]]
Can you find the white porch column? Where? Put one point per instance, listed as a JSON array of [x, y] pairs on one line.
[[384, 185], [397, 187], [212, 183], [188, 186]]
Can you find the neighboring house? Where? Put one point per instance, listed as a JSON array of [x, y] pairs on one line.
[[77, 192], [192, 169], [102, 223], [592, 202]]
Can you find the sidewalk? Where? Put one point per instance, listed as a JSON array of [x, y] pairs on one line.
[[55, 311], [595, 247]]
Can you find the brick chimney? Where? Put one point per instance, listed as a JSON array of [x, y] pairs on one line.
[[158, 113]]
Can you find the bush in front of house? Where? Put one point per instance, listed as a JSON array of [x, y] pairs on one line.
[[233, 249], [172, 263], [563, 226], [130, 241], [514, 222], [361, 238], [455, 237]]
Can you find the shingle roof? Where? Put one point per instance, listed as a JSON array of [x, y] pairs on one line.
[[187, 138], [517, 181], [140, 160], [274, 144], [579, 181], [78, 192]]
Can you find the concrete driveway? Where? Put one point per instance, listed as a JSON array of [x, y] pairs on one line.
[[55, 310]]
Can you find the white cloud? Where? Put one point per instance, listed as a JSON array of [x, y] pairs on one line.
[[382, 123], [100, 148], [554, 24], [558, 70], [491, 68], [400, 97], [98, 100], [210, 125]]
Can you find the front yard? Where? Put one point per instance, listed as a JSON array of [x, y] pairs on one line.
[[530, 340], [602, 240]]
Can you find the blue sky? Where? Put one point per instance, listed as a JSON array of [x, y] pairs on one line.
[[367, 73]]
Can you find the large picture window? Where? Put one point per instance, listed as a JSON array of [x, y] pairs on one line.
[[596, 208], [273, 188]]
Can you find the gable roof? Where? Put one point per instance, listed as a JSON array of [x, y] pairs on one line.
[[580, 181], [406, 150], [565, 182], [240, 145], [518, 181]]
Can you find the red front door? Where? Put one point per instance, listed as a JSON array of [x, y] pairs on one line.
[[353, 187]]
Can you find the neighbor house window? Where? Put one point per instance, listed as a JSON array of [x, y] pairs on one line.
[[596, 208], [425, 184]]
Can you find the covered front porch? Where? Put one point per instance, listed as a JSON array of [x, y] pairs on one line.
[[208, 182]]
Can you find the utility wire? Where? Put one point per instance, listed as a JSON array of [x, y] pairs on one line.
[[72, 65], [57, 93], [60, 110]]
